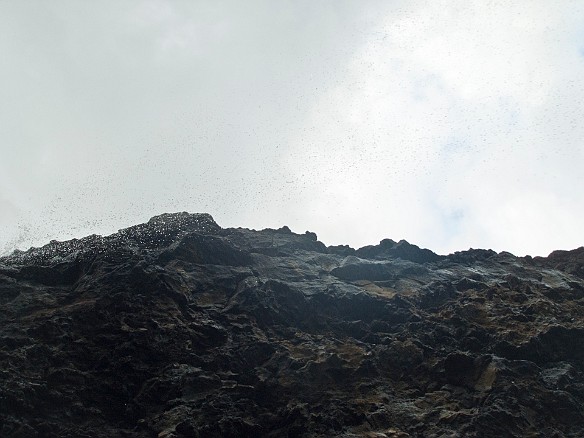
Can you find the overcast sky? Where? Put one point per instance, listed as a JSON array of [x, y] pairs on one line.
[[451, 124]]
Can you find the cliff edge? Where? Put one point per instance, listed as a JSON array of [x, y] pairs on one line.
[[180, 328]]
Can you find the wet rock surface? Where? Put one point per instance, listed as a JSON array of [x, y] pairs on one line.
[[179, 328]]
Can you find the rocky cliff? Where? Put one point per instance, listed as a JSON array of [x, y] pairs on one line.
[[179, 328]]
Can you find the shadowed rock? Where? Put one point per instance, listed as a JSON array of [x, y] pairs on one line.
[[179, 328]]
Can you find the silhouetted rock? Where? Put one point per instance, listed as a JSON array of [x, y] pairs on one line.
[[179, 328], [568, 261], [387, 248]]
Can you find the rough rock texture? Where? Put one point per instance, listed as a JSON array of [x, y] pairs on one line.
[[178, 328]]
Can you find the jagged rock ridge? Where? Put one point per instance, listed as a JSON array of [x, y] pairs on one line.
[[179, 328]]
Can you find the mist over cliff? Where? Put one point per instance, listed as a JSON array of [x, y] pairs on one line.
[[450, 124], [181, 328]]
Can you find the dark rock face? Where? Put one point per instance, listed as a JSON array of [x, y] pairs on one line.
[[178, 328]]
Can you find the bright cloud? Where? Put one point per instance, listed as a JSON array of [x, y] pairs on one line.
[[453, 128], [449, 124]]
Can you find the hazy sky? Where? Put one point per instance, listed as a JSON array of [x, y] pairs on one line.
[[451, 124]]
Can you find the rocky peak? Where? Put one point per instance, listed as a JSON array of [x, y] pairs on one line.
[[180, 328], [387, 248], [158, 232]]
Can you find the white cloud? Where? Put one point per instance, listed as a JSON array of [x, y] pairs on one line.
[[451, 129], [450, 124]]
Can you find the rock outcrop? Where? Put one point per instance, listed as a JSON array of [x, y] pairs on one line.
[[179, 328]]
